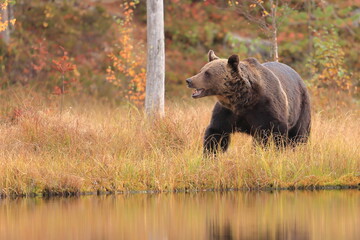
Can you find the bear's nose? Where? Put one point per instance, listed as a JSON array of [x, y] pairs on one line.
[[189, 82]]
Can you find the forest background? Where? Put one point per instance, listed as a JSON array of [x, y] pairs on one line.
[[105, 42]]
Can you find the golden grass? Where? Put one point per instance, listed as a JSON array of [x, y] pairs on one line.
[[96, 147]]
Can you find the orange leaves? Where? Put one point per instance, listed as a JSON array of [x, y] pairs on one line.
[[39, 56], [127, 71], [136, 88], [62, 64], [206, 2], [57, 90]]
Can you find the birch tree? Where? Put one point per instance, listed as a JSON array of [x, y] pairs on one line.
[[6, 20], [265, 14], [155, 76]]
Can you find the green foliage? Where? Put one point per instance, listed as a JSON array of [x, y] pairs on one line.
[[8, 1], [236, 45], [248, 47], [189, 25], [328, 63]]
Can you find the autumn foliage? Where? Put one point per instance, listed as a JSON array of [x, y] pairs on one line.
[[63, 65], [127, 70], [5, 23], [330, 73]]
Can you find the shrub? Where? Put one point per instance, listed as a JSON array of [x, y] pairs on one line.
[[328, 66], [127, 69]]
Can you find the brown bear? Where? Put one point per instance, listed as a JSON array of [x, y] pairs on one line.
[[263, 100]]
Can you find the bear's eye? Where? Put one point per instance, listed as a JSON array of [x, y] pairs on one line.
[[207, 74]]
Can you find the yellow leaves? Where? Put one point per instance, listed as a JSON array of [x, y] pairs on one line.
[[45, 24], [127, 64], [131, 73], [265, 13], [4, 5], [232, 3], [4, 24], [48, 12], [253, 5], [76, 71]]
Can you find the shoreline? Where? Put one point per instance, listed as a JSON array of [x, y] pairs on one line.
[[102, 193]]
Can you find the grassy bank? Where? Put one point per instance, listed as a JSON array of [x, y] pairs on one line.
[[96, 147]]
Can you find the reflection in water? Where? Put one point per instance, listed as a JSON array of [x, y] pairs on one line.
[[284, 215], [215, 233]]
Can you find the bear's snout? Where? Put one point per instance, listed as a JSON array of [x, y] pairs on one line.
[[189, 83]]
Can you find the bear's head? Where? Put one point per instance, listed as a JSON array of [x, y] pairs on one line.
[[216, 76]]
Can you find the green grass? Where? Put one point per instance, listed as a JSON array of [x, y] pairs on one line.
[[96, 147]]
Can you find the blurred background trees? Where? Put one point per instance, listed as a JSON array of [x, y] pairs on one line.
[[105, 41], [6, 20]]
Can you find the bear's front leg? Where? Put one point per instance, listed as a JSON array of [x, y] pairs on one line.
[[213, 139], [218, 132], [278, 133]]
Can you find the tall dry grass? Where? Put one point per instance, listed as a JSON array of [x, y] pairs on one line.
[[98, 147]]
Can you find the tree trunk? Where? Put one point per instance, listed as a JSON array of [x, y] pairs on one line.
[[275, 46], [155, 76], [310, 4], [6, 16], [275, 53]]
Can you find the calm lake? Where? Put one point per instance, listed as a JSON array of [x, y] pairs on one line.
[[332, 214]]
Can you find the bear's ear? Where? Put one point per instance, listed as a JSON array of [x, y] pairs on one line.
[[212, 56], [233, 62]]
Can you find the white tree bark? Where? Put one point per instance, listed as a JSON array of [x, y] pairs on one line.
[[275, 45], [275, 50], [155, 75], [6, 16]]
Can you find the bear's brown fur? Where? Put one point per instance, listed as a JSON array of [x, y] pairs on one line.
[[263, 100]]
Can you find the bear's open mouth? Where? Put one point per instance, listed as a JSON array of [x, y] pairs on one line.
[[198, 92]]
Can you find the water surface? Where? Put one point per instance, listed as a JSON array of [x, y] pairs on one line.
[[287, 215]]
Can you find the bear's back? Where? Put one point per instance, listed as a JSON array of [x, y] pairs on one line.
[[285, 73], [293, 86]]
